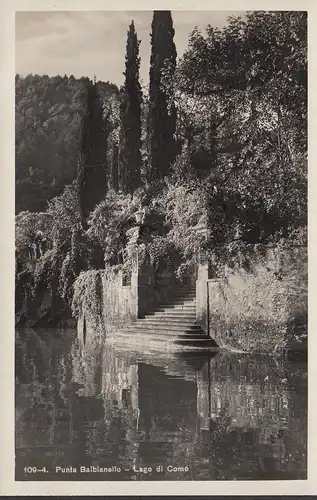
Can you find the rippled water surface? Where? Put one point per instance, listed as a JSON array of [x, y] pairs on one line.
[[154, 416]]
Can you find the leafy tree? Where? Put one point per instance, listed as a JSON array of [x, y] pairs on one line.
[[67, 250], [130, 112], [256, 144], [259, 64], [92, 175], [30, 227], [162, 114], [61, 231], [185, 203]]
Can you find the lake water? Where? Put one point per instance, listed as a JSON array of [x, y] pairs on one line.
[[154, 415]]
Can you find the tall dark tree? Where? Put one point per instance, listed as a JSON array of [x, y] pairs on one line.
[[114, 167], [92, 175], [162, 113], [130, 112]]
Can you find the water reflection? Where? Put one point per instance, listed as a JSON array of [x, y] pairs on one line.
[[208, 416]]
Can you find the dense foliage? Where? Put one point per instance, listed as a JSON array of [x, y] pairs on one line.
[[109, 222], [247, 82]]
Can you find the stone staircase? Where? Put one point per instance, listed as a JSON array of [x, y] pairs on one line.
[[173, 323]]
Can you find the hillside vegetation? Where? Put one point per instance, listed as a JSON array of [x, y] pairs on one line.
[[48, 118]]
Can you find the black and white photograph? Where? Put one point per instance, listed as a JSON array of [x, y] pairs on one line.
[[161, 276]]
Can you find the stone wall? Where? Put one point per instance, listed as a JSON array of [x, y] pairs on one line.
[[256, 310], [119, 308], [120, 300], [125, 299]]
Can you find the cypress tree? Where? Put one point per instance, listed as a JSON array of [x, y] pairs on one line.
[[130, 114], [114, 167], [92, 175], [162, 113]]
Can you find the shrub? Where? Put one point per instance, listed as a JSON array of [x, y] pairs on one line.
[[109, 222], [87, 297]]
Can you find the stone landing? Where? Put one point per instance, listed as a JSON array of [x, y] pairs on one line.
[[171, 323]]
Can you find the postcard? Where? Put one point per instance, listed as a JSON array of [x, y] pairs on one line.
[[156, 313]]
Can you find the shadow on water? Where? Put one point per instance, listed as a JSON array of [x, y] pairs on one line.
[[186, 416]]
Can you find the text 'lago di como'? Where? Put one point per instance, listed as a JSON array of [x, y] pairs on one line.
[[83, 469]]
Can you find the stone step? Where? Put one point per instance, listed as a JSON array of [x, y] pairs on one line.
[[175, 308], [179, 300], [163, 315], [176, 312], [184, 295], [205, 342], [166, 325], [184, 290], [178, 307], [173, 301], [166, 329], [171, 319], [166, 321], [164, 338]]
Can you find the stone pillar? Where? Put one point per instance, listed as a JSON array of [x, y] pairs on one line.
[[202, 312], [202, 306], [134, 278], [132, 251], [146, 297], [142, 278]]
